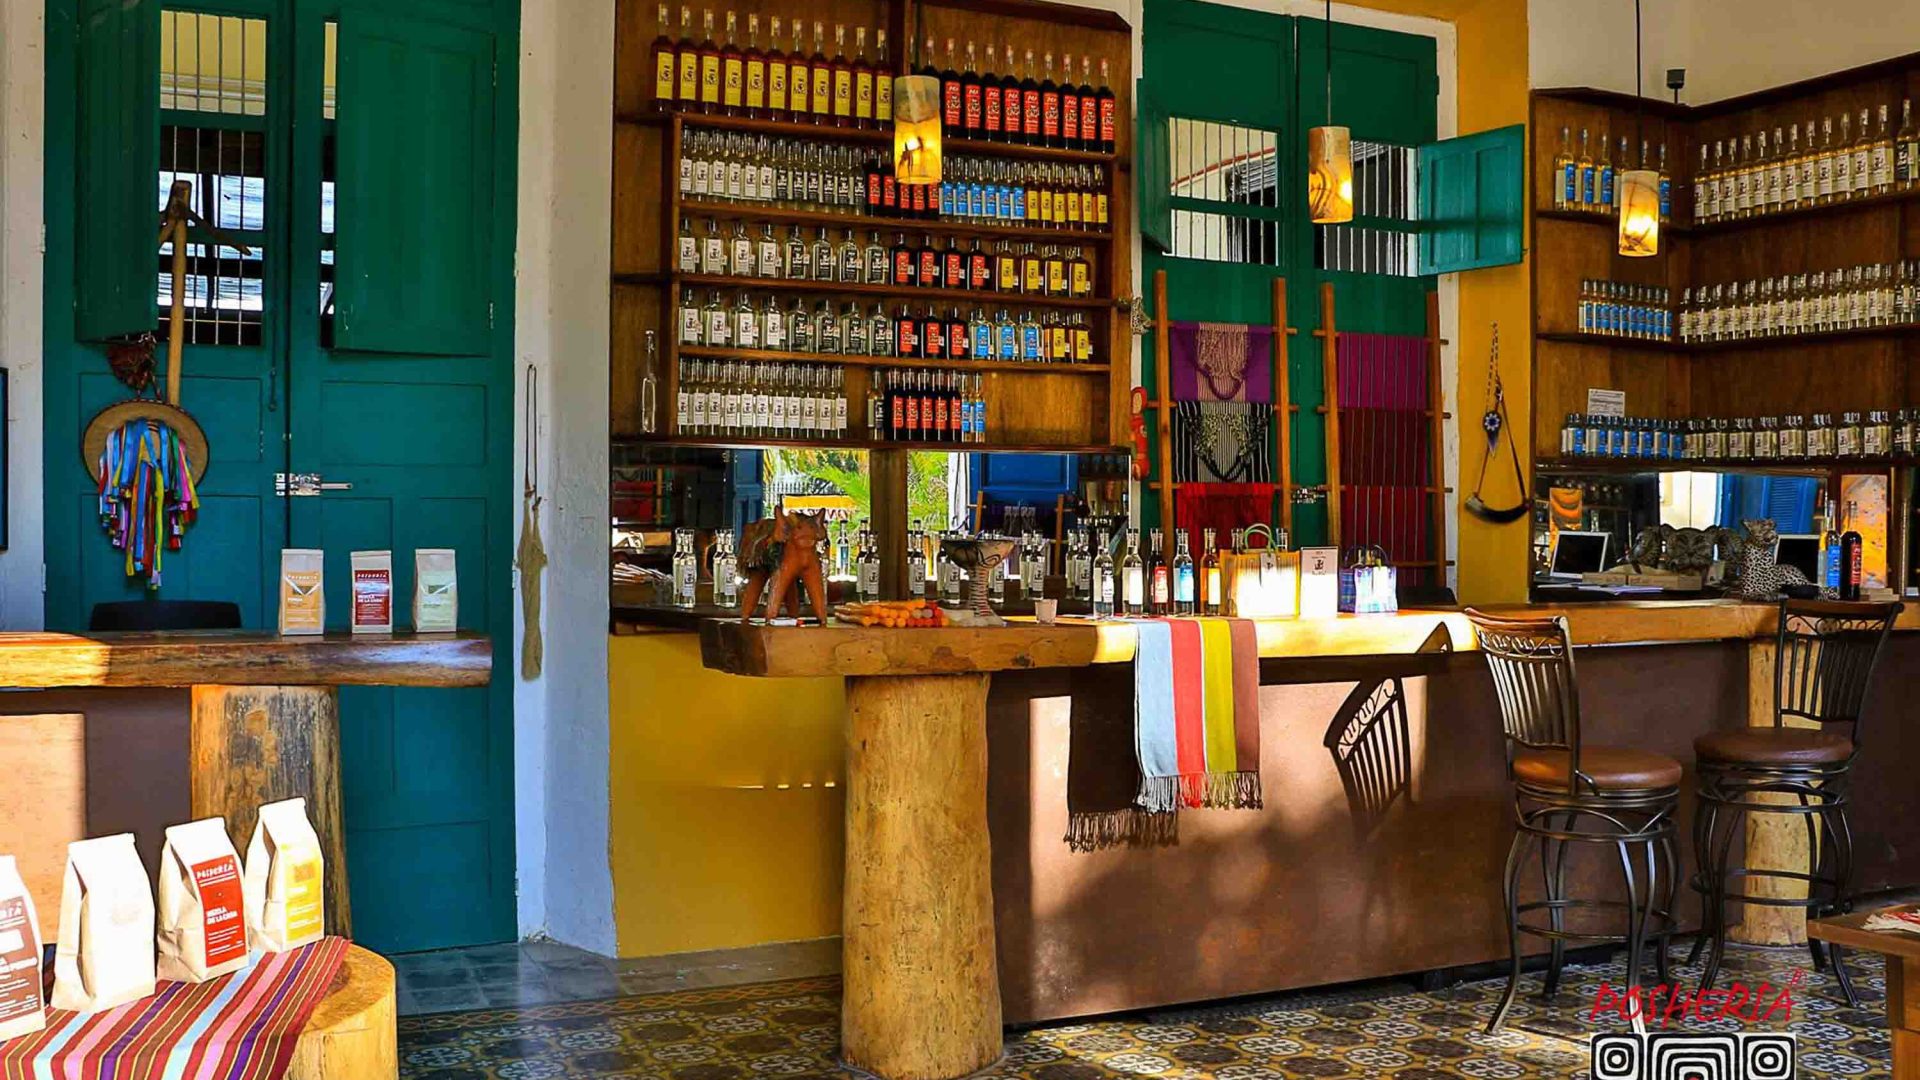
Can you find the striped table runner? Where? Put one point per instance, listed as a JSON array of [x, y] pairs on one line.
[[241, 1026]]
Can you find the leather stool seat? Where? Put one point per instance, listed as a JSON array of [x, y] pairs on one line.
[[1774, 746], [1613, 768]]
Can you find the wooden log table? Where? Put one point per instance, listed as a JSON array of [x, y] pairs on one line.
[[265, 721], [1902, 953]]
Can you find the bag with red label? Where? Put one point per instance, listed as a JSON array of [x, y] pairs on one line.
[[22, 1009], [203, 912]]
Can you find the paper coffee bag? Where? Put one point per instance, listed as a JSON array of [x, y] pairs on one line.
[[436, 592], [286, 904], [104, 955], [22, 1010], [373, 592], [203, 913], [303, 598]]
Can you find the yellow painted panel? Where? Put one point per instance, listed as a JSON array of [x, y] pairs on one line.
[[727, 818]]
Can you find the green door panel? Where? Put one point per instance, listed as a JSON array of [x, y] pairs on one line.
[[116, 146], [1472, 196], [414, 210], [1154, 198]]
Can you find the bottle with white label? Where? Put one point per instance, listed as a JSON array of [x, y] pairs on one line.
[[686, 568], [1033, 565], [1183, 601], [1101, 577], [868, 567], [690, 319], [726, 571], [916, 562]]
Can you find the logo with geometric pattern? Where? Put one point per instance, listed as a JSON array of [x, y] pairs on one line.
[[1674, 1055]]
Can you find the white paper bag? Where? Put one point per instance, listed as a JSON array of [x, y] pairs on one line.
[[286, 876], [104, 955], [303, 595], [202, 916], [436, 591], [22, 1009]]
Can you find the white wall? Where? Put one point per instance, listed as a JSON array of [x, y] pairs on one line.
[[22, 127], [561, 328], [1729, 47]]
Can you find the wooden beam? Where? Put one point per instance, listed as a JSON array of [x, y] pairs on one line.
[[33, 660], [1330, 374], [1283, 402], [1162, 418], [1436, 414], [887, 473]]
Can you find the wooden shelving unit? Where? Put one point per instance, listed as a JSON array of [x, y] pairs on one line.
[[1031, 407]]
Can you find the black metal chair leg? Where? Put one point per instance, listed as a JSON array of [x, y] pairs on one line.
[[1661, 849], [1818, 857], [1512, 883], [1706, 880], [1636, 933], [1843, 893], [1553, 873], [1718, 851]]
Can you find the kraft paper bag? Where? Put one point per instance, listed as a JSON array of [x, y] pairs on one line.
[[436, 591], [104, 955], [303, 596], [372, 592], [203, 924], [22, 1009], [286, 903]]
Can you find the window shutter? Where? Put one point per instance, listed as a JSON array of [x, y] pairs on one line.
[[1472, 207], [116, 160], [1151, 166], [414, 197]]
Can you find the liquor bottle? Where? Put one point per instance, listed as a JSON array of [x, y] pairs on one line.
[[1133, 580], [1013, 115], [971, 92], [1090, 138], [979, 274], [877, 427], [686, 62], [799, 78], [917, 561], [820, 99], [1790, 160], [1586, 174], [1069, 106], [1211, 601], [863, 76], [726, 571], [953, 267], [746, 324], [1100, 583], [1830, 547], [1809, 168], [957, 408], [1862, 148], [842, 79], [927, 274], [776, 72], [1842, 153], [1665, 181], [1850, 552], [853, 260], [959, 334], [733, 73], [686, 568], [1050, 133], [1776, 191], [826, 267], [1183, 591], [773, 325], [1030, 107], [933, 335], [828, 337], [979, 408], [1566, 175], [713, 250], [1603, 177], [1108, 108], [753, 63], [880, 332], [906, 336], [1881, 156], [1033, 567], [1054, 266], [868, 573], [740, 251], [800, 336], [952, 94], [991, 101], [949, 577], [1906, 149], [666, 76], [709, 65], [1159, 578], [876, 261], [882, 82]]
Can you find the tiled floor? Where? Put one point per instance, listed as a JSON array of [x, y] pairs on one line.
[[547, 973]]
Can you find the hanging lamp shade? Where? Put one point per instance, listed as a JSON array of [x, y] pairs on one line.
[[1639, 213], [1330, 175], [916, 129]]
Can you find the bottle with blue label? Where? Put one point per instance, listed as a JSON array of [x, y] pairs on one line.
[[1006, 337], [1566, 175], [1030, 350]]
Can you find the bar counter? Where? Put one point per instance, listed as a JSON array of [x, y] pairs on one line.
[[958, 735]]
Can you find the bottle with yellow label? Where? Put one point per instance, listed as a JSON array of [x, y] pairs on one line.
[[776, 73], [1079, 274], [1006, 268], [686, 58], [863, 75], [1032, 277], [799, 78], [1081, 338], [822, 102], [666, 65], [709, 65], [756, 66], [733, 73], [842, 79], [882, 82], [1056, 271]]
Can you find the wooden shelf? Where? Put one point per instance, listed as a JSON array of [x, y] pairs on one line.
[[1866, 333], [874, 136], [737, 442], [1604, 218], [889, 292], [1611, 341], [931, 226], [1733, 225], [1777, 465], [857, 360], [988, 148]]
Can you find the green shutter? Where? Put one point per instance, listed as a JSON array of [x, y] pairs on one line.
[[116, 161], [414, 196], [1472, 192], [1156, 198]]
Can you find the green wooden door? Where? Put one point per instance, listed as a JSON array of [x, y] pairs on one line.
[[416, 419]]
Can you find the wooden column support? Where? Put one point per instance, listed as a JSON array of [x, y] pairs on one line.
[[1437, 421], [1773, 841], [260, 744], [1283, 403], [351, 1035], [921, 998], [1163, 412], [1330, 374], [887, 471]]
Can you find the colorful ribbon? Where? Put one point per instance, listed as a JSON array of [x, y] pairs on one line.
[[147, 497]]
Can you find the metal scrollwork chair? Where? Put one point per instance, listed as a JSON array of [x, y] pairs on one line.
[[1568, 792], [1823, 664]]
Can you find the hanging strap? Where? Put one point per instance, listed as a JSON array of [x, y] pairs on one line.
[[1495, 422]]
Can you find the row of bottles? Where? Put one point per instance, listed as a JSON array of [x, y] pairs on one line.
[[920, 405], [1875, 433], [1025, 337], [805, 174], [1021, 106], [1755, 175], [1623, 309], [723, 77], [1051, 271], [1144, 585], [781, 401], [1850, 298], [1585, 182]]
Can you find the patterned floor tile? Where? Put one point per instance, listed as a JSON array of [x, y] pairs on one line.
[[790, 1030]]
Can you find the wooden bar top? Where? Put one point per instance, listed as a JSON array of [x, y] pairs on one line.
[[243, 658], [797, 651]]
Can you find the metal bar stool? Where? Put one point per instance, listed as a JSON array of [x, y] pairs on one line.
[[1566, 792], [1823, 664]]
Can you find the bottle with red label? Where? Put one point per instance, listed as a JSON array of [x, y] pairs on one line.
[[1012, 118], [906, 262], [933, 336], [953, 268], [979, 267], [1050, 106], [990, 101], [956, 335], [1030, 109], [951, 93], [1089, 107], [971, 102], [1104, 94], [931, 265], [1069, 106]]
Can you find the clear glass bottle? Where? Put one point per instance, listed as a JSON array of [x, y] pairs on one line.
[[1847, 437], [1101, 583], [1184, 601], [686, 569], [867, 575], [1033, 566], [1820, 436], [1133, 582], [1876, 437], [1793, 437]]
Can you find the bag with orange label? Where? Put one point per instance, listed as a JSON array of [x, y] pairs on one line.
[[286, 904], [203, 915]]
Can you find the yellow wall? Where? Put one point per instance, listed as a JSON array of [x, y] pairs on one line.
[[726, 820]]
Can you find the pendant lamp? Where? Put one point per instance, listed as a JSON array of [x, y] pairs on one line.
[[1638, 190], [1330, 158], [916, 129]]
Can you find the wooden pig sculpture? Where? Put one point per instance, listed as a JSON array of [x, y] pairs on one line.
[[780, 555]]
